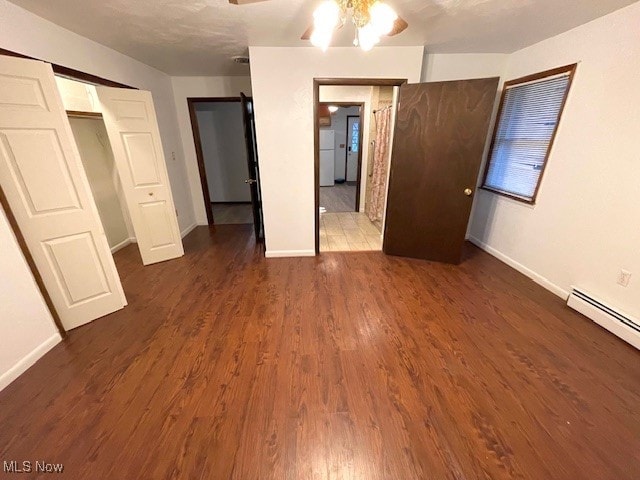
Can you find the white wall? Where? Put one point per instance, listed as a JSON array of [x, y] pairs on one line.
[[93, 144], [282, 81], [224, 150], [78, 96], [27, 330], [585, 225], [442, 67], [183, 88]]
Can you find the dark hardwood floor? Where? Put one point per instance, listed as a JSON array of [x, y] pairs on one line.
[[226, 365]]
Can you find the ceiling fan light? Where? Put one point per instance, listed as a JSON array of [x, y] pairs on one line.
[[327, 15], [321, 39], [383, 18], [367, 37], [333, 108]]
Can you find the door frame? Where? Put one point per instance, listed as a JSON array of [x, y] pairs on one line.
[[74, 75], [340, 82], [70, 72], [204, 184]]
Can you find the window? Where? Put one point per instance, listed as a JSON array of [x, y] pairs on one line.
[[355, 136], [530, 110]]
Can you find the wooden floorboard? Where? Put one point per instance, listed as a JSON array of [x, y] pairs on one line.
[[226, 365]]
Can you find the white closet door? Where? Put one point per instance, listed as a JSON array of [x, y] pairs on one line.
[[47, 189], [132, 127]]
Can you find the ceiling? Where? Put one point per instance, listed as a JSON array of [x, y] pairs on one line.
[[198, 37]]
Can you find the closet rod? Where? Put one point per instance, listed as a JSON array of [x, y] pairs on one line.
[[75, 113]]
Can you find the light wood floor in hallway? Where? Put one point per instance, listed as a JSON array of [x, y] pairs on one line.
[[226, 365]]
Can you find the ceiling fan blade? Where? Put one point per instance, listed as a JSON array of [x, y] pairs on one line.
[[244, 2], [307, 33], [399, 26]]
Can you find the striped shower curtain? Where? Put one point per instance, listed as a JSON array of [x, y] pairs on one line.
[[374, 207]]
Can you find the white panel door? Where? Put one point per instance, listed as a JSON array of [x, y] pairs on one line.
[[132, 127], [47, 189]]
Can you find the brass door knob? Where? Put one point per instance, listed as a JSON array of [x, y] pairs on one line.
[[468, 192]]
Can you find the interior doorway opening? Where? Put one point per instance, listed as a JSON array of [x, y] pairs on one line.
[[340, 156], [421, 185], [91, 138], [224, 159], [225, 143], [353, 149]]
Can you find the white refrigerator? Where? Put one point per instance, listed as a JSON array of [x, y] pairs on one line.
[[327, 158]]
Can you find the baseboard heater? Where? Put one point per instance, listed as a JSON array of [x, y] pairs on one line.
[[623, 326]]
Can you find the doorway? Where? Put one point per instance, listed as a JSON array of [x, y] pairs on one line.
[[340, 156], [346, 221], [422, 183], [219, 126], [227, 160], [91, 138]]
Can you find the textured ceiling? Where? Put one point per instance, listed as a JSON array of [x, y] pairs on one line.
[[198, 37]]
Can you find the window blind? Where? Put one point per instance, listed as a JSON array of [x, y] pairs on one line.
[[528, 120]]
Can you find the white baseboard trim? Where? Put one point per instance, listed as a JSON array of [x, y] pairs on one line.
[[121, 245], [188, 230], [289, 253], [28, 360], [536, 277]]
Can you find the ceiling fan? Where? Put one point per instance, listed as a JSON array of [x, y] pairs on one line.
[[372, 18]]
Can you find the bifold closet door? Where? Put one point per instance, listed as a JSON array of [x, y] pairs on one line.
[[47, 190], [132, 127]]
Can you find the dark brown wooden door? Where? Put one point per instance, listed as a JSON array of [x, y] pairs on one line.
[[252, 160], [440, 135]]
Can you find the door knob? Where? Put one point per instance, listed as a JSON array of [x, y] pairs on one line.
[[468, 192], [151, 194], [250, 181]]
